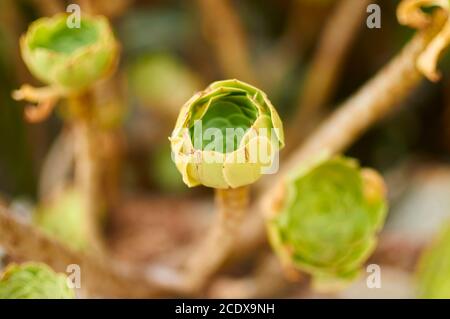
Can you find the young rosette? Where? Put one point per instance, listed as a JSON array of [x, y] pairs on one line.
[[433, 271], [324, 220], [227, 136], [33, 281], [69, 58]]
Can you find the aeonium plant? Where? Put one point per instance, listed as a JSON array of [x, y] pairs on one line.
[[226, 135], [70, 61], [225, 138], [324, 220], [33, 281]]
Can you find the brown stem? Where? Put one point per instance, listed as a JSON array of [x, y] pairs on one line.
[[211, 253], [87, 177], [335, 42], [98, 277], [373, 101], [222, 28], [267, 281]]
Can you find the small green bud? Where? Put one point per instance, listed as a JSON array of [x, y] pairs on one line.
[[226, 136], [433, 271], [69, 59], [325, 218], [33, 281], [61, 217]]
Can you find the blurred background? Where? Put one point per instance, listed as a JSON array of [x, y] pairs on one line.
[[169, 50]]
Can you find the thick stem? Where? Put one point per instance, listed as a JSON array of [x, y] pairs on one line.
[[373, 101], [87, 177], [211, 253], [267, 281]]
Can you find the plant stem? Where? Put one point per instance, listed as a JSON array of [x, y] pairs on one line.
[[211, 253], [87, 177], [373, 101], [335, 42], [266, 281]]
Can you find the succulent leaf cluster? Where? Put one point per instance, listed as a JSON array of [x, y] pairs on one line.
[[243, 122], [69, 58], [325, 218], [33, 281]]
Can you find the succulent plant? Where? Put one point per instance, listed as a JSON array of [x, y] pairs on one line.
[[33, 281], [226, 135], [70, 59], [325, 218], [433, 271], [62, 218]]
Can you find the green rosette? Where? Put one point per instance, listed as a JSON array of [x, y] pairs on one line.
[[226, 135], [70, 59], [325, 218], [33, 281]]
